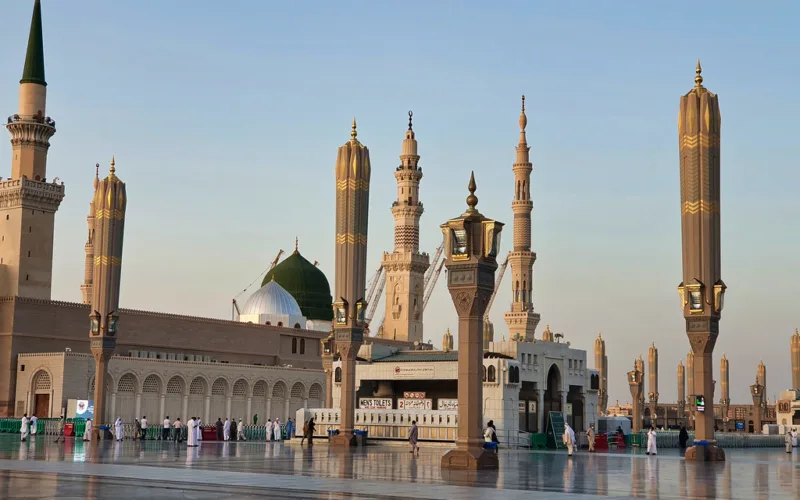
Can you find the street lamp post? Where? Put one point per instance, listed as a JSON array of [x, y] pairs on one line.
[[757, 391], [635, 383], [471, 243]]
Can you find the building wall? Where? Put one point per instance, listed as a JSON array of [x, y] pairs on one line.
[[31, 325], [156, 388]]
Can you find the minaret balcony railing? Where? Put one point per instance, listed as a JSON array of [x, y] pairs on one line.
[[38, 118]]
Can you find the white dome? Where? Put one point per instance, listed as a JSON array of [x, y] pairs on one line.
[[271, 300]]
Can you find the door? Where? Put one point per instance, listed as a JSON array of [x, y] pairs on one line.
[[41, 406]]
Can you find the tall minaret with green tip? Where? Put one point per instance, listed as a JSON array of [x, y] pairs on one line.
[[28, 202]]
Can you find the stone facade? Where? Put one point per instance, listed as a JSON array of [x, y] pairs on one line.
[[158, 387]]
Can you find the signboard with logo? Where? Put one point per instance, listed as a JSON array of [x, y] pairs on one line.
[[414, 404], [84, 409], [739, 425], [375, 403], [447, 404], [700, 403], [424, 372], [414, 395], [522, 406]]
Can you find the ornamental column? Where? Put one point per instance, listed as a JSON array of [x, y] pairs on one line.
[[652, 361], [702, 290], [110, 201], [725, 400]]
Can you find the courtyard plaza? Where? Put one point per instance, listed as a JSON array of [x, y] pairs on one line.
[[154, 469]]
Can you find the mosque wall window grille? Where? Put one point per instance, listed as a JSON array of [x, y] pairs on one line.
[[240, 388], [279, 391], [260, 389], [294, 345], [175, 386], [197, 387], [315, 392], [337, 374], [302, 346], [218, 387], [297, 391], [151, 384], [42, 381], [126, 383]]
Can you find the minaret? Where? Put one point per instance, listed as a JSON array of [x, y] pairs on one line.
[[521, 320], [110, 202], [639, 364], [488, 333], [88, 268], [690, 379], [600, 364], [352, 213], [762, 380], [681, 391], [405, 267], [447, 341], [702, 290], [652, 362], [725, 400], [28, 202], [547, 334], [795, 345]]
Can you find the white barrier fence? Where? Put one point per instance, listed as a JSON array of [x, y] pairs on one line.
[[432, 425]]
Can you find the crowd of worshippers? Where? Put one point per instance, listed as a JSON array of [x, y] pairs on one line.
[[229, 430]]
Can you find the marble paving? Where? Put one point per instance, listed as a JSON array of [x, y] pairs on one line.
[[132, 470]]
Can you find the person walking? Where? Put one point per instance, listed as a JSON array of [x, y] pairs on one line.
[[269, 429], [569, 439], [87, 431], [118, 428], [61, 422], [219, 429], [305, 432], [166, 429], [233, 433], [34, 425], [277, 429], [178, 425], [255, 419], [240, 428], [787, 439], [289, 429], [226, 430], [311, 428], [683, 437], [144, 427], [651, 441], [413, 436], [198, 429], [590, 435], [23, 428]]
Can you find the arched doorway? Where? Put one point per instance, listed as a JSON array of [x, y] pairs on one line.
[[41, 387], [552, 394]]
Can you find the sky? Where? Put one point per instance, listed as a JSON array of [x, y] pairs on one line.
[[224, 118]]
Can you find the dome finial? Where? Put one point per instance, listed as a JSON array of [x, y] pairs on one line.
[[698, 80], [96, 175], [472, 200], [523, 118], [296, 244], [113, 163], [354, 133], [410, 114]]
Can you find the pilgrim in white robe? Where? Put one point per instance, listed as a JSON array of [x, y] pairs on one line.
[[277, 429], [199, 430], [569, 439], [34, 424], [269, 430], [191, 433], [23, 430], [651, 442], [118, 429], [87, 433], [226, 430]]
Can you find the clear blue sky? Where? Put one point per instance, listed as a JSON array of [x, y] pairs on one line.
[[225, 118]]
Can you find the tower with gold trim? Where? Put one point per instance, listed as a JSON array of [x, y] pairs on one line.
[[110, 202], [522, 320], [652, 394], [702, 290], [601, 365], [349, 307], [28, 203], [88, 268], [405, 267]]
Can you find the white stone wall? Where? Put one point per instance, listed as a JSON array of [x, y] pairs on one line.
[[158, 387]]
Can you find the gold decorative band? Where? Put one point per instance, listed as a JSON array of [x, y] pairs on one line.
[[702, 139], [109, 214], [105, 260], [702, 206], [353, 239], [353, 184]]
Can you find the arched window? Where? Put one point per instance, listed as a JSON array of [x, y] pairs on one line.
[[297, 325], [491, 374], [294, 344], [269, 324], [484, 374], [337, 375], [280, 323], [302, 346]]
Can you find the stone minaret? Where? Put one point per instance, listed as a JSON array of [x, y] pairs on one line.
[[27, 201], [352, 213], [681, 391], [795, 344], [110, 201], [702, 289], [88, 268], [600, 364], [724, 382], [762, 380], [547, 335], [639, 364], [521, 320], [447, 341], [652, 362], [405, 267]]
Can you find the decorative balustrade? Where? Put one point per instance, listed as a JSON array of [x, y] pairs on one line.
[[433, 425]]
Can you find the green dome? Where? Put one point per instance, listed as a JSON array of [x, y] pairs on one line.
[[307, 284]]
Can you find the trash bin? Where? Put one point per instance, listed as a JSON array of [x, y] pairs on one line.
[[361, 437], [209, 433], [332, 432], [69, 429]]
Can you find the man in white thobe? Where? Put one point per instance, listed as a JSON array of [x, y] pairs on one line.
[[277, 428], [226, 430], [788, 441], [199, 429], [569, 439], [191, 433], [118, 428], [23, 429], [651, 441], [34, 424], [87, 432], [269, 430], [240, 430]]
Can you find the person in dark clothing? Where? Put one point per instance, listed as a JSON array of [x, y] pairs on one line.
[[683, 437], [311, 427], [219, 429], [233, 430]]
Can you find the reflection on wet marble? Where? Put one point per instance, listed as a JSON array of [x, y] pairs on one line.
[[43, 469]]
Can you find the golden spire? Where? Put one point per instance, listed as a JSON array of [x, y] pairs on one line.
[[698, 80], [354, 133], [523, 119], [112, 169], [796, 332], [472, 200], [296, 244], [96, 175], [410, 114], [599, 335]]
